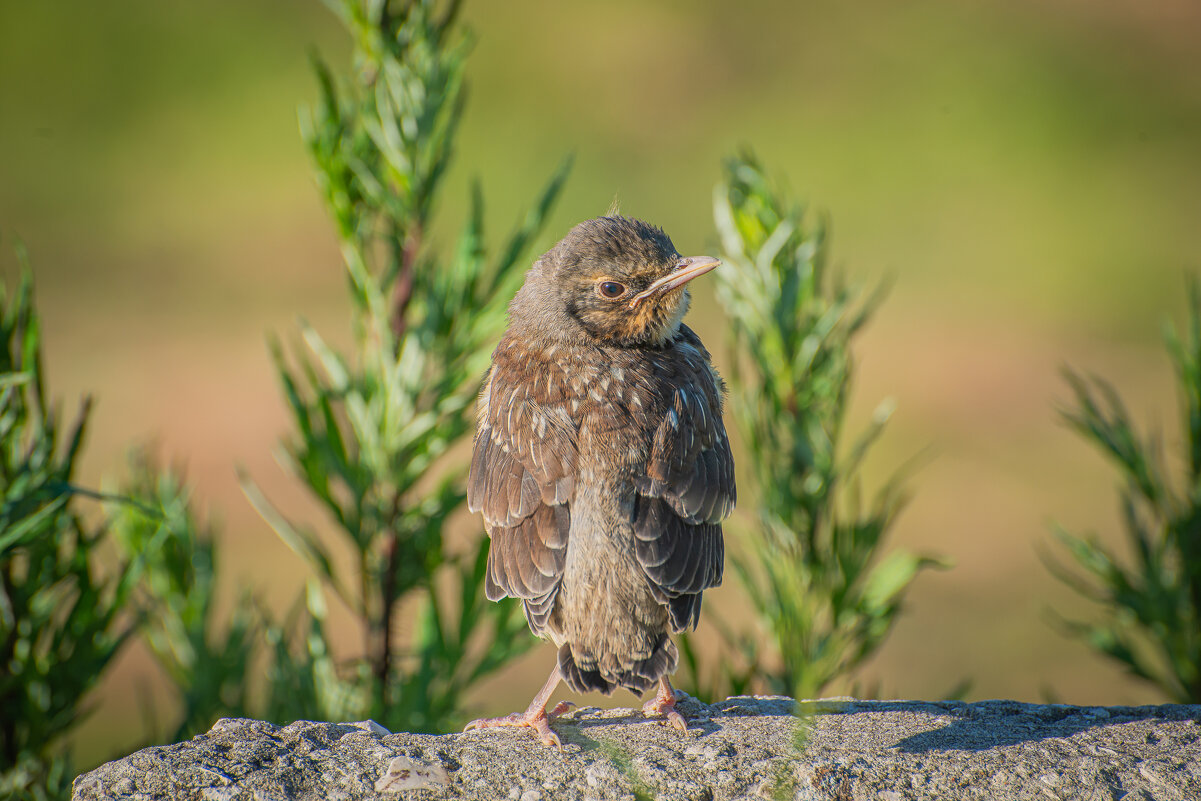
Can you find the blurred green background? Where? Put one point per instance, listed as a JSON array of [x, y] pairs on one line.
[[1028, 173]]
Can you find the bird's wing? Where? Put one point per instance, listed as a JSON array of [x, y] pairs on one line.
[[688, 488], [522, 474]]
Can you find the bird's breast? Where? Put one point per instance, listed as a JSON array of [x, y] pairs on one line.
[[603, 404]]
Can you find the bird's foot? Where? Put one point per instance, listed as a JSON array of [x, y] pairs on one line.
[[664, 705], [538, 720]]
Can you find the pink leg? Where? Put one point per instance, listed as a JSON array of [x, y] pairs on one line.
[[536, 717], [664, 703]]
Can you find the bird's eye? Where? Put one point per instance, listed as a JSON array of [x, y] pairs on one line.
[[611, 289]]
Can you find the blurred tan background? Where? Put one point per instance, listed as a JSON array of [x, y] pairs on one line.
[[1028, 172]]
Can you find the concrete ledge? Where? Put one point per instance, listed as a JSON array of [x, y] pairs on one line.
[[740, 748]]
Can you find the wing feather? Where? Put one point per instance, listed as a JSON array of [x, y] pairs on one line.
[[688, 486], [522, 475]]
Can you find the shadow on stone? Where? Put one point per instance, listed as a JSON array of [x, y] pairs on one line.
[[697, 715], [989, 725]]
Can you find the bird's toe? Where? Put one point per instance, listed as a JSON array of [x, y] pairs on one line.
[[560, 708], [548, 736], [538, 721], [666, 711], [675, 720], [488, 723]]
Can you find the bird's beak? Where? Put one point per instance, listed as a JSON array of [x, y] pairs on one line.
[[686, 269]]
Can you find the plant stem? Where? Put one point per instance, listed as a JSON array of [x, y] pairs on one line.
[[388, 599], [383, 661], [403, 293], [8, 735]]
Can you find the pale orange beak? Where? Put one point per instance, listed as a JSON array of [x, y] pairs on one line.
[[686, 269]]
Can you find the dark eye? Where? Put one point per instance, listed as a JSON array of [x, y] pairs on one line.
[[611, 289]]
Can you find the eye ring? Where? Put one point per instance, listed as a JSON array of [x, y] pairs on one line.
[[610, 290]]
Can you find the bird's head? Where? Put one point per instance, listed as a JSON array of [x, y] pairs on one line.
[[614, 279]]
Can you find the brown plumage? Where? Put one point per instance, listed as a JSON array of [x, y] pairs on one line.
[[601, 463]]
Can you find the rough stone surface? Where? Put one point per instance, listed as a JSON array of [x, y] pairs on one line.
[[741, 748]]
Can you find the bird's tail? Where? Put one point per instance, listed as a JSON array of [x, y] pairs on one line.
[[584, 673]]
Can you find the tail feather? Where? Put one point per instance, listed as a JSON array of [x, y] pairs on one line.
[[580, 679], [584, 674]]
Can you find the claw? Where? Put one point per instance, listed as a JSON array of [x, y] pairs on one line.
[[549, 738]]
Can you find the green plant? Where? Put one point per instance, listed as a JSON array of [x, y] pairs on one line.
[[1152, 604], [815, 574], [621, 760], [60, 621], [177, 596], [372, 427]]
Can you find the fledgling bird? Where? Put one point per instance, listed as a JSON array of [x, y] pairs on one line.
[[601, 463]]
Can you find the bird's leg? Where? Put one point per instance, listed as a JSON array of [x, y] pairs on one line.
[[535, 717], [664, 703]]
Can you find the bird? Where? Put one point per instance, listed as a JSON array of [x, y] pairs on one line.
[[601, 464]]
